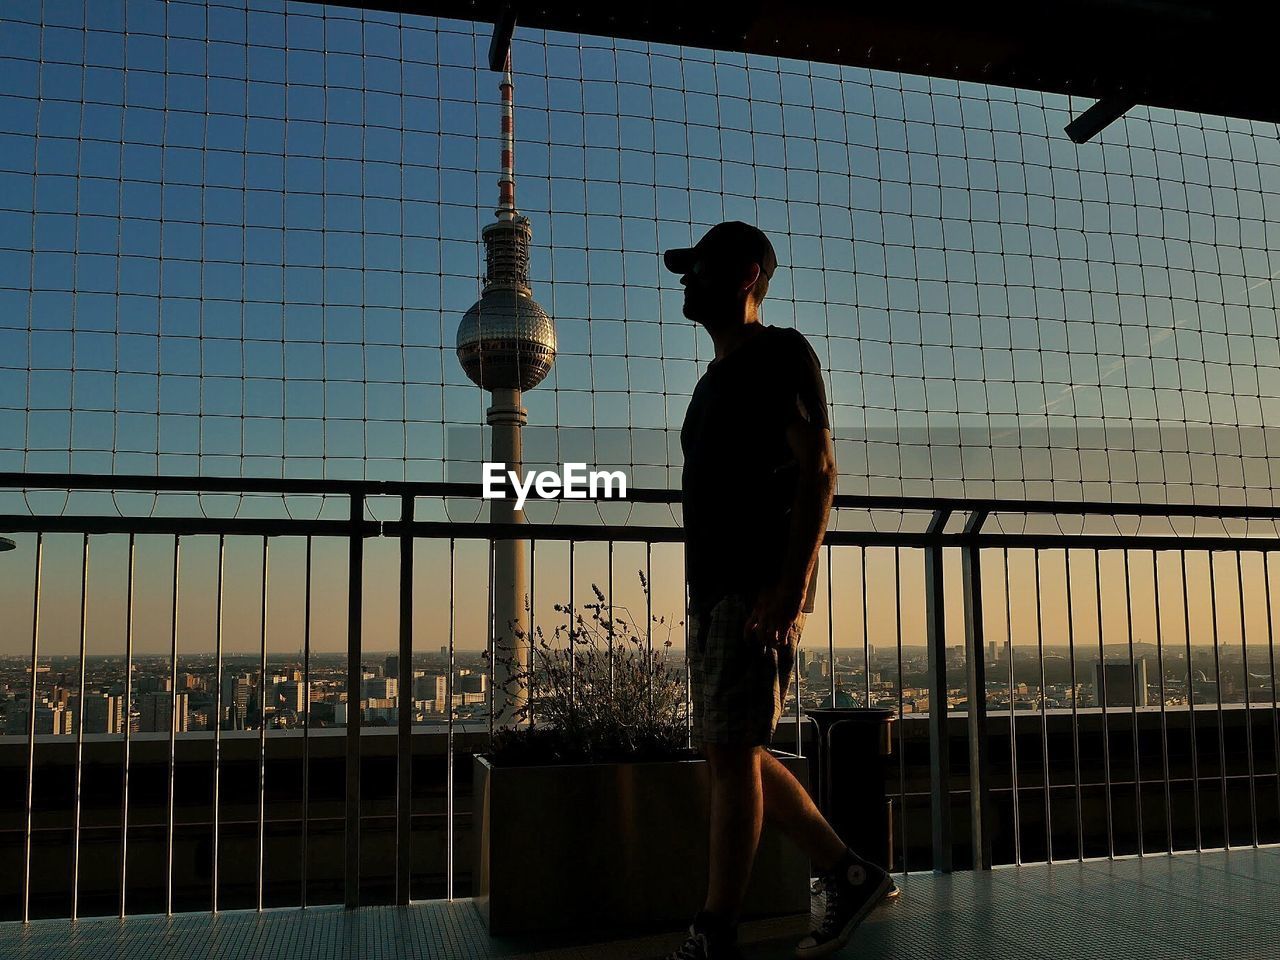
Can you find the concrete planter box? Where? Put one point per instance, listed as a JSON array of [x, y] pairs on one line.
[[616, 846]]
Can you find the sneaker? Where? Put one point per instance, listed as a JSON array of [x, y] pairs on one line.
[[842, 901], [894, 891], [700, 945]]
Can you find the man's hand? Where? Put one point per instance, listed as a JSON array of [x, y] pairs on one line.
[[772, 622], [774, 614]]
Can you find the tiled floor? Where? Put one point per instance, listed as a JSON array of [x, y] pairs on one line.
[[1211, 905]]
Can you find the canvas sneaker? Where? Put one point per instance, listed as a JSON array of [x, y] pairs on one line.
[[701, 945], [841, 901]]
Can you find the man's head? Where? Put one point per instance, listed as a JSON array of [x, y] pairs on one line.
[[725, 274]]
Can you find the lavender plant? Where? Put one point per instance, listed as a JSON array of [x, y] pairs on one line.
[[597, 690]]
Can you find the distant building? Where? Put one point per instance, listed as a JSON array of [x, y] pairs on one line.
[[1119, 681], [51, 717], [377, 712], [292, 695], [103, 713], [433, 687], [391, 668], [379, 688], [16, 717], [843, 699], [236, 692], [473, 683], [156, 712], [54, 718], [150, 683]]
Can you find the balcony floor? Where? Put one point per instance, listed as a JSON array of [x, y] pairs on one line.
[[1206, 905]]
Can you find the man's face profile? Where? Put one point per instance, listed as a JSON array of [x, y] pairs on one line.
[[715, 286]]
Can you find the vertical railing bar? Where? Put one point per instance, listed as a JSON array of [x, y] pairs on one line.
[[355, 613], [1164, 716], [128, 712], [1217, 683], [795, 692], [450, 830], [1271, 656], [262, 728], [1013, 719], [1133, 685], [866, 636], [572, 656], [491, 628], [306, 727], [217, 726], [1075, 705], [533, 636], [648, 616], [939, 733], [1248, 703], [76, 817], [902, 756], [1191, 703], [976, 679], [405, 710], [1102, 702], [689, 640], [31, 728], [1044, 712], [831, 636], [610, 637], [173, 726]]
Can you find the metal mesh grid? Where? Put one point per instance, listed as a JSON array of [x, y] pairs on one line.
[[237, 239]]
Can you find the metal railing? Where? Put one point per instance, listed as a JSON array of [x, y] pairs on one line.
[[961, 551]]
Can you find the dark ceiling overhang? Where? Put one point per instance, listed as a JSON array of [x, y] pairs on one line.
[[1216, 58]]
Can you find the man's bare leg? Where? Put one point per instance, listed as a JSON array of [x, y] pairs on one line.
[[737, 814], [788, 803]]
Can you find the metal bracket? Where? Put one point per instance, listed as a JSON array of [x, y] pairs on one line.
[[1099, 116], [500, 42]]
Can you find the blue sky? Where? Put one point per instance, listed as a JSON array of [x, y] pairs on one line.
[[237, 239]]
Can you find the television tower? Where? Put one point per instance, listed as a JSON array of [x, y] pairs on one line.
[[506, 344]]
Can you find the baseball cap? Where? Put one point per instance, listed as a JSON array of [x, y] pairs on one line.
[[733, 238]]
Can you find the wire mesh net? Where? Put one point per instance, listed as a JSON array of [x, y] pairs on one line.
[[237, 239]]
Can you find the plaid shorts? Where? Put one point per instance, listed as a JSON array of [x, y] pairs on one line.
[[737, 686]]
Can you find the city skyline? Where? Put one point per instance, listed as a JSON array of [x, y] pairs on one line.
[[894, 677]]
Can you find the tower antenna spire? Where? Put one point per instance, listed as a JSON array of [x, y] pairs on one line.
[[507, 179]]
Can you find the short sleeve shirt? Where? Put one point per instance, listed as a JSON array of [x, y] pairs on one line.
[[739, 478]]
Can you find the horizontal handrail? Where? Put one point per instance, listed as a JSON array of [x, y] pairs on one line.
[[470, 490]]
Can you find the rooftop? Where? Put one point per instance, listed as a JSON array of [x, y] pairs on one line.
[[1153, 907]]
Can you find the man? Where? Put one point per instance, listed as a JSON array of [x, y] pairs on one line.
[[759, 477]]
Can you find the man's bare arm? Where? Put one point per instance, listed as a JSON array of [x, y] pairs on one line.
[[815, 490]]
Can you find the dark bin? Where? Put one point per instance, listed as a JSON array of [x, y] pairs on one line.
[[854, 746]]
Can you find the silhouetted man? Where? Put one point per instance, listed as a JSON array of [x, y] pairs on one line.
[[759, 477]]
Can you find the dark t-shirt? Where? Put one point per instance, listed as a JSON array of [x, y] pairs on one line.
[[739, 476]]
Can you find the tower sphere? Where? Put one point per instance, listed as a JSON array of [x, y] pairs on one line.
[[506, 340]]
